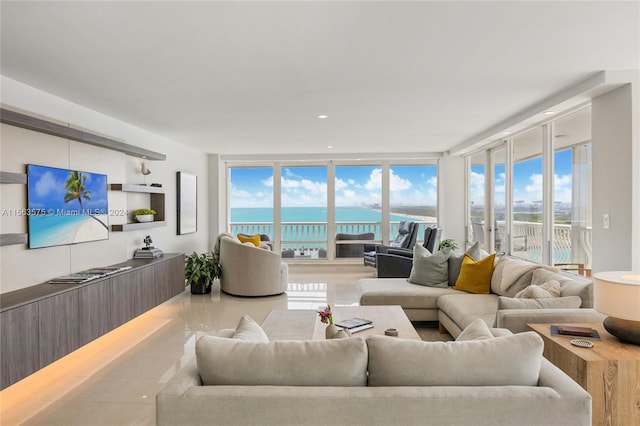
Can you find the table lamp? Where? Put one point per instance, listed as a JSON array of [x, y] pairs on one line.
[[617, 294]]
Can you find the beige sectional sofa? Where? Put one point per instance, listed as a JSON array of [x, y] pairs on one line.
[[455, 309], [480, 380]]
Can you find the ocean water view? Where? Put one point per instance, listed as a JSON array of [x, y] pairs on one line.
[[312, 214]]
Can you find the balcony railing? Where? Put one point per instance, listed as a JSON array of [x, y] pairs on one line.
[[300, 240], [570, 243], [310, 239]]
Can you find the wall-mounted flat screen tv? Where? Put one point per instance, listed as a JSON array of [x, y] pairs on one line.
[[66, 206]]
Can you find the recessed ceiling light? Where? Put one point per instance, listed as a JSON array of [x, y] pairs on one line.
[[506, 132], [549, 112], [322, 117], [330, 146]]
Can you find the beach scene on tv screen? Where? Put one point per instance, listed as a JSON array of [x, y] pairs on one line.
[[66, 206]]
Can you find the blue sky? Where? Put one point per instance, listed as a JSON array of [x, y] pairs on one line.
[[46, 189], [527, 180], [355, 186]]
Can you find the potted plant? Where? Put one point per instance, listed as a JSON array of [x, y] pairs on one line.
[[144, 215], [200, 271], [448, 243]]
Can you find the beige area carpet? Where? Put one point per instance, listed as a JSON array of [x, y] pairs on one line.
[[299, 324]]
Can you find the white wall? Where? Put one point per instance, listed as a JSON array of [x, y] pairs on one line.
[[21, 267], [615, 184], [451, 201]]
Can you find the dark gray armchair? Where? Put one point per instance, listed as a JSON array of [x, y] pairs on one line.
[[397, 263], [406, 238]]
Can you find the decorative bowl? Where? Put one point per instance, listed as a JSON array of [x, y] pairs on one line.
[[144, 218]]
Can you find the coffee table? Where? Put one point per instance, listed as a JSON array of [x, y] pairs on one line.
[[304, 324], [383, 317]]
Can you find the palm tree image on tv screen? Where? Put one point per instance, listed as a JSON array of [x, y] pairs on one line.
[[66, 206]]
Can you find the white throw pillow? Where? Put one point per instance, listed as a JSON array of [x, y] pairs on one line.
[[502, 361], [546, 290], [338, 362], [568, 286], [476, 330], [250, 330], [430, 269]]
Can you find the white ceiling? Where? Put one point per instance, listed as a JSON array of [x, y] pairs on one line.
[[252, 77]]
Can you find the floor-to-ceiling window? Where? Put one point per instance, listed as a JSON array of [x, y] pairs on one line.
[[476, 197], [572, 191], [303, 196], [546, 170], [528, 200], [296, 206], [496, 225], [358, 203], [251, 200], [413, 192]]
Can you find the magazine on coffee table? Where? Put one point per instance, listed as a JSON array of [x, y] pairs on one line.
[[355, 324]]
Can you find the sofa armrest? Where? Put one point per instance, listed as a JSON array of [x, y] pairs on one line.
[[401, 252], [516, 320], [186, 378]]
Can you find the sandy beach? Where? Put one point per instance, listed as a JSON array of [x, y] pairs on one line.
[[89, 229]]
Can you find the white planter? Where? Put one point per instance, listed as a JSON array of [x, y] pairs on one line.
[[144, 218]]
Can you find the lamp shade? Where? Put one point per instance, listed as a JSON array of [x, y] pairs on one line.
[[617, 293]]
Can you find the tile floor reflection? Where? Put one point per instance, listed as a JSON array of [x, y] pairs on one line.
[[113, 380]]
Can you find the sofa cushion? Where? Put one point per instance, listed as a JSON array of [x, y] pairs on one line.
[[475, 276], [464, 308], [477, 330], [569, 286], [511, 275], [456, 257], [549, 289], [502, 361], [398, 291], [429, 269], [250, 330], [547, 303], [338, 362]]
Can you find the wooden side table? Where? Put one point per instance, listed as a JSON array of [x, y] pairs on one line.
[[610, 372]]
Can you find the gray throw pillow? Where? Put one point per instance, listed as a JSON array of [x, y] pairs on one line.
[[430, 269]]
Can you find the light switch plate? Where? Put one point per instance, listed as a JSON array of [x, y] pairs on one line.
[[605, 221]]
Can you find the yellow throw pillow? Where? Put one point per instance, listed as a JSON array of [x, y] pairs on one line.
[[475, 277], [255, 240]]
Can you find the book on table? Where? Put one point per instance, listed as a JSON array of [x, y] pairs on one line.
[[575, 330], [355, 324]]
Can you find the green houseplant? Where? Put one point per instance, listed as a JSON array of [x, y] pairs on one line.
[[200, 270], [144, 215], [448, 243]]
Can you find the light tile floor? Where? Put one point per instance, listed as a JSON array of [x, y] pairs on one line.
[[113, 381]]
